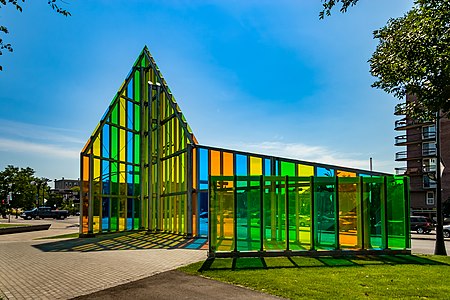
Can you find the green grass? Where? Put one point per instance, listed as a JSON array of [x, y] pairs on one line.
[[384, 277], [61, 236], [8, 225]]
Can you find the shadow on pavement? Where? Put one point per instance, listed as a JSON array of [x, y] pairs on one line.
[[312, 262], [124, 241]]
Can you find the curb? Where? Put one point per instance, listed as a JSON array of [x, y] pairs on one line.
[[18, 229]]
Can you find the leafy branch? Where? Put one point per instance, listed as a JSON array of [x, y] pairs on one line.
[[17, 5]]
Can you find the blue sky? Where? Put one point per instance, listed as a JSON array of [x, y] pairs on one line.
[[255, 75]]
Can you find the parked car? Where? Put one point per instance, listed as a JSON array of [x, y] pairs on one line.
[[44, 212], [446, 231], [421, 224]]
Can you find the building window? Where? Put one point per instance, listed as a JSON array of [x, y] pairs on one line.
[[429, 148], [429, 165], [428, 183], [429, 132], [430, 198]]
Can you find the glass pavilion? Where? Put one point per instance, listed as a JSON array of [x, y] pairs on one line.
[[143, 169]]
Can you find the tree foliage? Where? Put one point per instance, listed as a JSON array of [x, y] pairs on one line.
[[18, 182], [413, 57], [329, 4], [17, 4]]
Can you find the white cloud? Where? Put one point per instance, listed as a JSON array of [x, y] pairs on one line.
[[309, 153], [32, 148]]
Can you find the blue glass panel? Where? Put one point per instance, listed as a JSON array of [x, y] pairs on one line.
[[130, 213], [130, 180], [130, 145], [105, 141], [324, 172], [105, 214], [241, 165], [203, 168], [130, 118], [267, 167], [130, 88]]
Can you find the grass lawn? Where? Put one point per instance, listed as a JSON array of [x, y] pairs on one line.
[[380, 277], [7, 225]]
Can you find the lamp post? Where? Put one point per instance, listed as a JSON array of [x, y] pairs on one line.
[[42, 182]]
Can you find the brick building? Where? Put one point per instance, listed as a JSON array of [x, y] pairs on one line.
[[420, 158]]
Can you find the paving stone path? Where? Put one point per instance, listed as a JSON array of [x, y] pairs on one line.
[[63, 269]]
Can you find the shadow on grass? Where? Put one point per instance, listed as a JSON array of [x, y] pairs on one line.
[[257, 263], [124, 241]]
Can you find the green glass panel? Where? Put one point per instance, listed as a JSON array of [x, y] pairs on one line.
[[374, 230], [137, 86], [114, 213], [325, 213], [299, 215], [114, 142], [137, 117], [248, 211], [274, 220], [115, 114], [137, 148], [397, 231], [222, 215], [288, 169]]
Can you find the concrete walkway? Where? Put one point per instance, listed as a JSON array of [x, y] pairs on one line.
[[63, 269]]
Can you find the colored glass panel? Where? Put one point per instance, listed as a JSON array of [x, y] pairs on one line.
[[325, 213], [324, 172], [267, 168], [305, 170], [340, 173], [274, 219], [299, 214], [287, 169], [398, 231], [374, 213], [247, 210], [203, 168], [241, 165], [228, 164], [255, 165], [105, 141], [215, 163], [349, 213], [223, 210]]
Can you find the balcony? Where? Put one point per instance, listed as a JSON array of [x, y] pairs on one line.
[[404, 124], [401, 171], [428, 135], [402, 155], [401, 140]]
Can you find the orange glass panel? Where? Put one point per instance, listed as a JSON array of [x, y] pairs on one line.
[[304, 170], [255, 166], [215, 163], [228, 164], [345, 174], [194, 168], [85, 168]]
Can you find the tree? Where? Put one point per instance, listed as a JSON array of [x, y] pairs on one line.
[[17, 5], [329, 4], [413, 57], [18, 182]]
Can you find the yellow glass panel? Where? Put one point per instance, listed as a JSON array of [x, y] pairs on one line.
[[255, 166], [215, 163], [122, 173], [96, 148], [122, 144], [96, 224], [228, 164], [345, 174], [122, 111], [96, 175], [304, 170]]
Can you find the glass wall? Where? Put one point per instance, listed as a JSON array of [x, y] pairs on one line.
[[279, 213]]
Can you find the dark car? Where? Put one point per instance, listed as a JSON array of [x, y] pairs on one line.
[[421, 224]]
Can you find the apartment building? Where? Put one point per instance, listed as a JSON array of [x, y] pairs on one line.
[[419, 154]]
